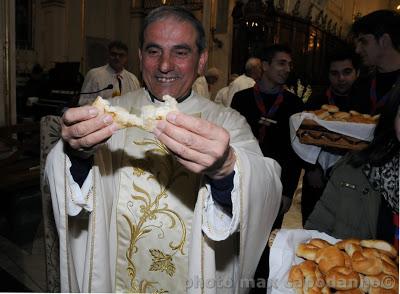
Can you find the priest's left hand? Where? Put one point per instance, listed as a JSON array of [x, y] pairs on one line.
[[200, 146]]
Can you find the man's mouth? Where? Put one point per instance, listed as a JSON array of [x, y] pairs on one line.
[[166, 79]]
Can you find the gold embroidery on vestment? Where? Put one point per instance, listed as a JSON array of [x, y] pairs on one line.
[[150, 208]]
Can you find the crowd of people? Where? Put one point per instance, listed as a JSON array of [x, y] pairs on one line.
[[195, 200]]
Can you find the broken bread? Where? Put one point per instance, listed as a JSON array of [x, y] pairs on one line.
[[150, 114]]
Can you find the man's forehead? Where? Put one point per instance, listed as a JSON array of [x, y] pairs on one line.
[[282, 56], [341, 65], [117, 50], [361, 37]]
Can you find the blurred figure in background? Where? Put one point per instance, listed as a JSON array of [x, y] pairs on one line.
[[267, 107], [222, 95], [253, 73], [113, 73], [377, 41], [202, 85], [342, 73]]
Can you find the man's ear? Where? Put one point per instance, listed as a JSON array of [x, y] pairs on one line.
[[385, 41], [202, 62], [140, 59], [264, 65]]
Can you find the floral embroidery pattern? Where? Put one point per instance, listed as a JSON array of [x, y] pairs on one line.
[[151, 207]]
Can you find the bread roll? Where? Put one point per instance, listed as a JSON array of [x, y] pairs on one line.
[[320, 243], [321, 113], [340, 115], [343, 243], [307, 251], [328, 258], [366, 264], [342, 278], [380, 245], [330, 108], [353, 112]]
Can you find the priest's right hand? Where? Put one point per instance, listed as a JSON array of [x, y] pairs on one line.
[[83, 128]]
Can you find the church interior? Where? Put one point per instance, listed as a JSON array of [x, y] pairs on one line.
[[47, 47]]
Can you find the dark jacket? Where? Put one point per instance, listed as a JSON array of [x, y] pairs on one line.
[[349, 207], [276, 143]]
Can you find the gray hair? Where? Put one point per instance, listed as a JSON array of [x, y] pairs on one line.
[[180, 14], [251, 64]]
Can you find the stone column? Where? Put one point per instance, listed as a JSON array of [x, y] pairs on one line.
[[135, 25], [53, 32], [8, 115]]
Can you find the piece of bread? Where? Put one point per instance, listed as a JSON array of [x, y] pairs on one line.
[[328, 258], [380, 245], [307, 251], [353, 112], [341, 115], [321, 113], [330, 108], [149, 116], [342, 278]]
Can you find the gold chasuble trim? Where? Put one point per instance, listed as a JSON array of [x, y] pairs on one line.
[[150, 208]]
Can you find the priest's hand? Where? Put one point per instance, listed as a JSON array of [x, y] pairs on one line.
[[199, 145], [83, 128]]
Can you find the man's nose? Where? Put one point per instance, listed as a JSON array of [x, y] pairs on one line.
[[357, 49], [166, 63]]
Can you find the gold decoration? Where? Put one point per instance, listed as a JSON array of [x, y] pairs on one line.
[[150, 208], [162, 262]]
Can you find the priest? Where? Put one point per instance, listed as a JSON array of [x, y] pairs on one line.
[[186, 208]]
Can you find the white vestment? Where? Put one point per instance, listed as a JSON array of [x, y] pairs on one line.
[[222, 96], [240, 83], [100, 77], [200, 86], [142, 223]]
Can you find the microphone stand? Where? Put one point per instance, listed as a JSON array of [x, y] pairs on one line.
[[76, 99]]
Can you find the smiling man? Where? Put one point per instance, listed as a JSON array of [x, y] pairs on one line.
[[187, 208], [267, 107]]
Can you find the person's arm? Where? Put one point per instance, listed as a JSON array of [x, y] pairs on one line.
[[323, 217], [221, 191], [80, 168]]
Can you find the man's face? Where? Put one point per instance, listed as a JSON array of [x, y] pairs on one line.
[[342, 75], [368, 48], [117, 59], [169, 58], [278, 70]]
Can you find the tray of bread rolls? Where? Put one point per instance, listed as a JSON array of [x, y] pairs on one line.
[[348, 266], [311, 132], [309, 261]]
